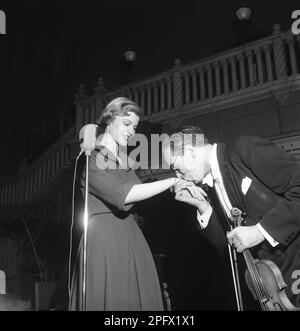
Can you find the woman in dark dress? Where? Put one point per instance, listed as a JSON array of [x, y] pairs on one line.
[[121, 274]]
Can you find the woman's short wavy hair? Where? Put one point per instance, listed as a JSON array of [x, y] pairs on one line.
[[118, 107]]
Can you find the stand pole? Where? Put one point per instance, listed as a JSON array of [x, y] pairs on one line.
[[87, 135], [83, 308], [235, 276]]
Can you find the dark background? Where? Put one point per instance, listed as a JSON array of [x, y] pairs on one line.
[[51, 47]]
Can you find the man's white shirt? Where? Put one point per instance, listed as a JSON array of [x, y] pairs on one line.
[[216, 176]]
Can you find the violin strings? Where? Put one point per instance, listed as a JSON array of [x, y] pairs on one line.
[[254, 281], [257, 282], [256, 285], [260, 286]]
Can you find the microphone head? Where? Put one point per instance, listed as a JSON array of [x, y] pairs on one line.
[[87, 137]]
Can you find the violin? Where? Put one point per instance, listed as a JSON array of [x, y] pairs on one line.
[[264, 279], [266, 284]]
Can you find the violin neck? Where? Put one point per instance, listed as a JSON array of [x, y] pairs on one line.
[[248, 254], [249, 259]]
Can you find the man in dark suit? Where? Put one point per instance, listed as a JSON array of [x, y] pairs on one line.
[[259, 179]]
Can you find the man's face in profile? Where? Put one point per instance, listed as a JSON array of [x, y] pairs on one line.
[[187, 165]]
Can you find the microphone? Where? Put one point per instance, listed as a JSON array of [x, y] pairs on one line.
[[87, 137]]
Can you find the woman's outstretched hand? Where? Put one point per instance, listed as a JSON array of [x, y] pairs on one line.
[[191, 194], [177, 182]]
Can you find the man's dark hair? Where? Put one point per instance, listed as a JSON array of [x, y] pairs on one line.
[[186, 135]]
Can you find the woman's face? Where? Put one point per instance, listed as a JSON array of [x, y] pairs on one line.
[[122, 128]]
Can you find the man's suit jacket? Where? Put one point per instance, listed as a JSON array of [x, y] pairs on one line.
[[273, 200]]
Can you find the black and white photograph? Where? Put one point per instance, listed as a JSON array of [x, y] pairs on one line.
[[150, 158]]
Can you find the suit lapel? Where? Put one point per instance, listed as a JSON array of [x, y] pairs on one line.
[[231, 184], [223, 165]]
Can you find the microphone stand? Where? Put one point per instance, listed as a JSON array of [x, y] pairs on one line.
[[87, 134], [85, 225]]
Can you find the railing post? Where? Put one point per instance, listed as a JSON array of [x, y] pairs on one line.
[[162, 95], [216, 66], [224, 65], [292, 54], [186, 79], [45, 167], [149, 99], [249, 56], [208, 69], [279, 54], [155, 89], [242, 71], [169, 92], [194, 85], [142, 101], [8, 193], [202, 83], [259, 66], [267, 50], [178, 88], [233, 73], [136, 96]]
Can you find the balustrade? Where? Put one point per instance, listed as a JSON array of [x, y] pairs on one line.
[[24, 187], [264, 61]]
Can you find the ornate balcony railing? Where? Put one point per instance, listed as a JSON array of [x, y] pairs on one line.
[[248, 68], [244, 68], [27, 185]]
